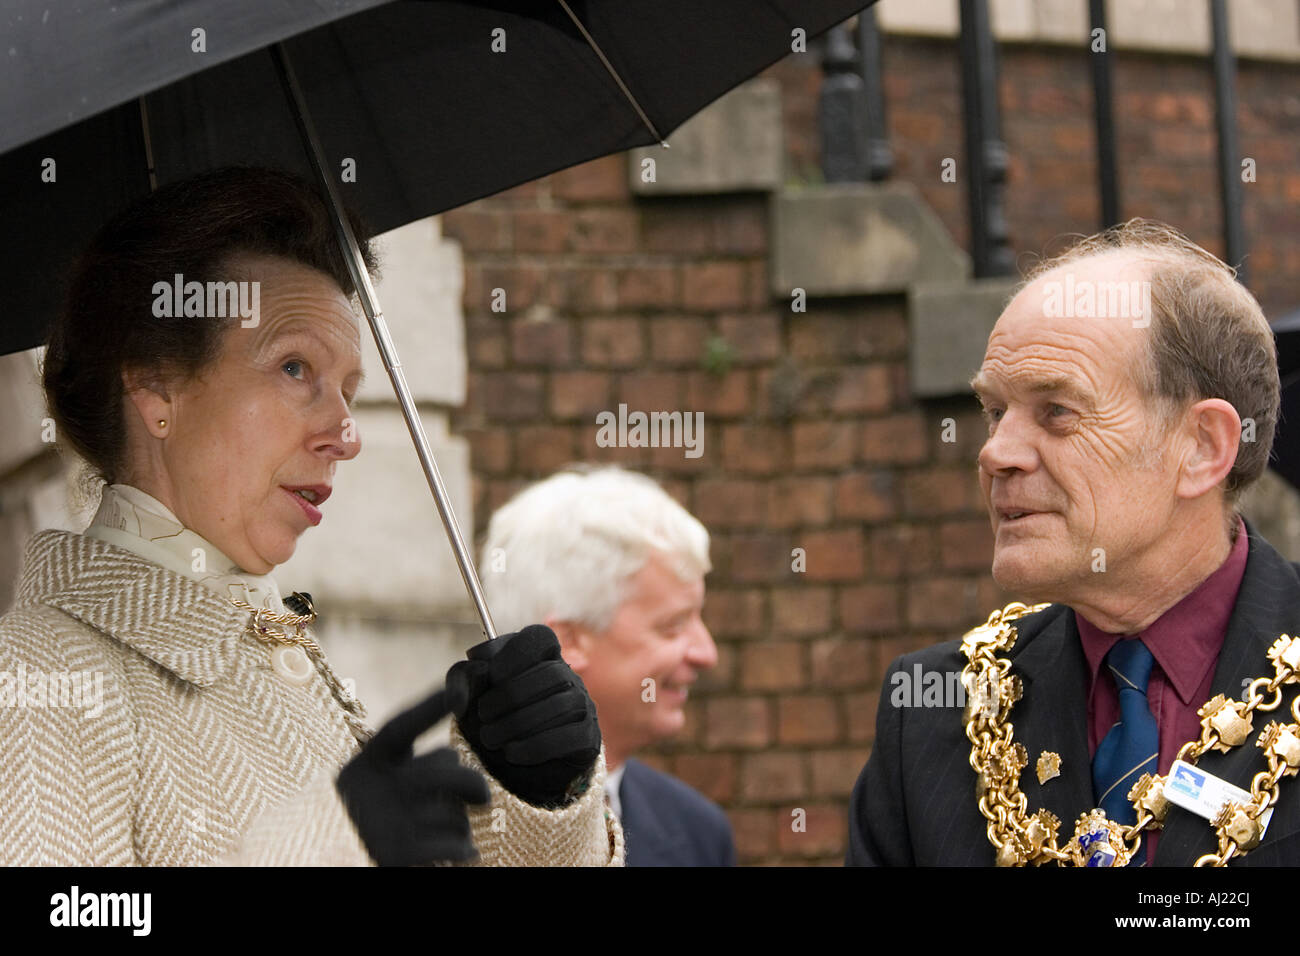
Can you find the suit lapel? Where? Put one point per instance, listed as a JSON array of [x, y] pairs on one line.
[[1268, 605], [649, 842], [1055, 675]]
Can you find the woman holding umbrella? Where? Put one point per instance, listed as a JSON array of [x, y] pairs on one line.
[[203, 368]]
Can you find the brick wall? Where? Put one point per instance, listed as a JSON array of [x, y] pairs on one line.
[[812, 439]]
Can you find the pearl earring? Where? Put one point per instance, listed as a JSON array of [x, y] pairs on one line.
[[162, 423]]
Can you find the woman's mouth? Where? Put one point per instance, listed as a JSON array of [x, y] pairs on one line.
[[307, 498]]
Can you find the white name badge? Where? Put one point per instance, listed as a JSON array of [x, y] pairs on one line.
[[1205, 794]]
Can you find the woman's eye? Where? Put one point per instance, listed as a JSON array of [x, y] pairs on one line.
[[293, 368]]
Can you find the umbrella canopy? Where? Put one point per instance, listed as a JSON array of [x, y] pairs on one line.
[[1286, 445], [430, 104]]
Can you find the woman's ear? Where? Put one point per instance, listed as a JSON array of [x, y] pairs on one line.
[[149, 397], [575, 643]]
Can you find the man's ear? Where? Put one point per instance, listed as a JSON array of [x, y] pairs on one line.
[[575, 643], [1213, 432], [149, 397]]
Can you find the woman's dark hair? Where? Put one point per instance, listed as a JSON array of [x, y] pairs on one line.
[[194, 228]]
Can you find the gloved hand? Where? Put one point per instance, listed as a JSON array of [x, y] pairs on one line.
[[410, 810], [527, 715]]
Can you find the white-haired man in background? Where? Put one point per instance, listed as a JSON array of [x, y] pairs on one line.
[[612, 564]]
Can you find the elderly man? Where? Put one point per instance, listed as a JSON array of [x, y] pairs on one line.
[[616, 568], [1095, 726]]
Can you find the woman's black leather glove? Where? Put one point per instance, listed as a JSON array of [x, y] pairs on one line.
[[410, 810], [527, 715]]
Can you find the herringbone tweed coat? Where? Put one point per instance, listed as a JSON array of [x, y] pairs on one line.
[[198, 753]]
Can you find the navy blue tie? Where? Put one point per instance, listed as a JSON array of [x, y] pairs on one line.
[[1132, 746]]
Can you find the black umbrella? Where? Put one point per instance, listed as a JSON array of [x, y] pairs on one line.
[[406, 109], [1286, 445]]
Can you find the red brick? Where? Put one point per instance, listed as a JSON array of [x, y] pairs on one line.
[[730, 502], [489, 450], [730, 613], [709, 286], [769, 777], [900, 439], [792, 502], [542, 230], [740, 228], [833, 555], [754, 833], [825, 832], [601, 180], [477, 229], [968, 432], [651, 391], [510, 396], [674, 229], [739, 722], [612, 342], [752, 336], [485, 341], [521, 285], [834, 772], [754, 449], [823, 444], [841, 663], [865, 495], [728, 395], [647, 287], [590, 450], [966, 545], [714, 775], [760, 557], [542, 449], [678, 340], [773, 665], [869, 608], [604, 231], [862, 388], [582, 290], [807, 720], [544, 343], [580, 395], [945, 602], [900, 549], [801, 610], [940, 491], [757, 287], [860, 716]]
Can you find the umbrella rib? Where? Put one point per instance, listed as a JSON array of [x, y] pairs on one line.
[[148, 146], [614, 73]]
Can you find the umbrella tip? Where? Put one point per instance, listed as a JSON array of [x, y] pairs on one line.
[[664, 144]]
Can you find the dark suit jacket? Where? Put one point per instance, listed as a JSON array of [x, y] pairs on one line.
[[914, 803], [666, 823]]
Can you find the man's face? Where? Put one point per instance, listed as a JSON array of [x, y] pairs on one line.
[[657, 634], [1074, 473], [271, 414]]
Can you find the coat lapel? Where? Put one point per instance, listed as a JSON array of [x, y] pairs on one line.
[[175, 622], [649, 842], [1268, 605], [1055, 675]]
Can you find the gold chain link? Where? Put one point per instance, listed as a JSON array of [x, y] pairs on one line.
[[1020, 837]]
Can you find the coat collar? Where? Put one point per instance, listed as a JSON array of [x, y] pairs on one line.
[[177, 623]]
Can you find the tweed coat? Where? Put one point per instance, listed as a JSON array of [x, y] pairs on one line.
[[141, 724]]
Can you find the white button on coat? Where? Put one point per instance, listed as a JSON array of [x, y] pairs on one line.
[[292, 665]]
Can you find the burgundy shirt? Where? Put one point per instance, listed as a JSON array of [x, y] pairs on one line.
[[1185, 642]]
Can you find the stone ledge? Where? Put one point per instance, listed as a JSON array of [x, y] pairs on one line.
[[859, 239], [733, 145], [949, 325]]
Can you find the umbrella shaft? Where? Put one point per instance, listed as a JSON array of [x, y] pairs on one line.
[[379, 328]]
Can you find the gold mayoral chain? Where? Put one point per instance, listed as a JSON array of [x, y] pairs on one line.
[[1020, 837]]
